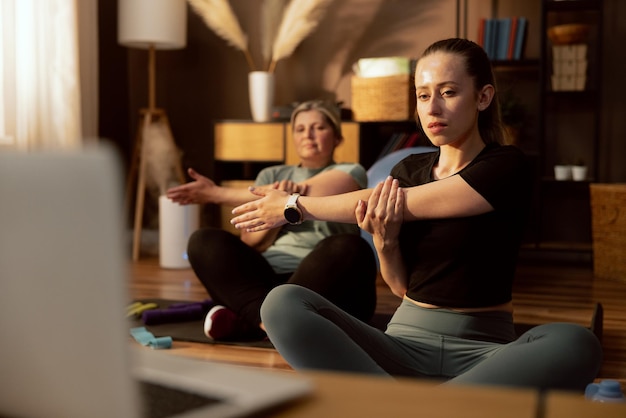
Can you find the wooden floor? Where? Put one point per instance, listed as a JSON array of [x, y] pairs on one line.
[[543, 292]]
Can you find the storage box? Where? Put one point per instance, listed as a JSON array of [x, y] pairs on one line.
[[568, 82], [569, 67], [569, 52], [608, 225], [390, 98]]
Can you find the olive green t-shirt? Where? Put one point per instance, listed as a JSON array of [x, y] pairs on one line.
[[294, 242]]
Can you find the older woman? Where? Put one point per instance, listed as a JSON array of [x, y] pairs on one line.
[[328, 257]]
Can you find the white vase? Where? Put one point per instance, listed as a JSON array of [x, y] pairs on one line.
[[261, 94]]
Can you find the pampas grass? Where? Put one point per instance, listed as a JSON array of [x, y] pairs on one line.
[[300, 18], [220, 18], [283, 28], [271, 15]]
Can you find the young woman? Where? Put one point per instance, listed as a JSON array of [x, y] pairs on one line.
[[447, 227], [329, 258]]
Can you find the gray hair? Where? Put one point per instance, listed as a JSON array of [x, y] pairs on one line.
[[328, 109]]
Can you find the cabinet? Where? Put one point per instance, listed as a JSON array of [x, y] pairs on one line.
[[570, 119], [242, 148]]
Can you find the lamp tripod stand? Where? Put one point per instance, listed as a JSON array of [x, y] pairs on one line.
[[137, 169]]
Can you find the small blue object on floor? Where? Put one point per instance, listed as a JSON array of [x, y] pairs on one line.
[[146, 338]]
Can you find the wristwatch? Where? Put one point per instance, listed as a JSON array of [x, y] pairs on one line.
[[292, 213]]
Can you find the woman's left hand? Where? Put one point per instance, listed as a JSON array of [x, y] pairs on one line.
[[261, 214]]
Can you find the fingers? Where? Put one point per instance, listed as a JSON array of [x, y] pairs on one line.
[[290, 187], [383, 197], [247, 220], [302, 189], [257, 191], [399, 208], [359, 213]]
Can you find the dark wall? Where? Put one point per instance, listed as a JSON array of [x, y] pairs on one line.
[[207, 80]]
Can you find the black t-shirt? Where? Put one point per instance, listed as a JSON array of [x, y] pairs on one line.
[[468, 262]]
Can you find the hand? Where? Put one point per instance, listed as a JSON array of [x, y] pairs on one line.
[[287, 186], [382, 215], [261, 214], [201, 190]]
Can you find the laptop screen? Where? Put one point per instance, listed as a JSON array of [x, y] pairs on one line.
[[66, 349]]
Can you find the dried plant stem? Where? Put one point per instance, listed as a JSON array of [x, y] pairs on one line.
[[249, 59], [220, 18], [300, 18]]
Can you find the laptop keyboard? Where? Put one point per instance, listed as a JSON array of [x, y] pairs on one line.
[[161, 401]]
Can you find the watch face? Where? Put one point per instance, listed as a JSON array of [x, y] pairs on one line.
[[292, 215]]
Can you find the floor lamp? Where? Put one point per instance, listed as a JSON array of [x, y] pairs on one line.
[[151, 25]]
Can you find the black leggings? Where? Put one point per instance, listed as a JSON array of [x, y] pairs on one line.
[[342, 268]]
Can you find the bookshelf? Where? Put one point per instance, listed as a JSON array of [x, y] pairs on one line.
[[562, 125], [570, 122]]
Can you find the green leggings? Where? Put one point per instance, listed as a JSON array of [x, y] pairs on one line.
[[312, 333]]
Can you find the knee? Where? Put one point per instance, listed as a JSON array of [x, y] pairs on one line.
[[588, 343], [203, 242], [574, 339], [279, 302], [349, 249]]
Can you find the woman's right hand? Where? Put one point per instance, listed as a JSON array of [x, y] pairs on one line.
[[201, 190]]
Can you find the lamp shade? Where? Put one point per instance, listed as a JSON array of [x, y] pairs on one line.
[[158, 23]]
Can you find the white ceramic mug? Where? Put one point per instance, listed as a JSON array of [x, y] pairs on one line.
[[563, 172], [579, 173]]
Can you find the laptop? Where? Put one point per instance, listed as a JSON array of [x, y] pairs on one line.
[[65, 345]]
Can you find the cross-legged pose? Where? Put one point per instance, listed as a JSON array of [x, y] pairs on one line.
[[447, 228], [328, 257]]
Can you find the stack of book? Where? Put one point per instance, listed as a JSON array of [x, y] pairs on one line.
[[503, 38]]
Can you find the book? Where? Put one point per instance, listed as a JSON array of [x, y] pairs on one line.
[[490, 37], [503, 30], [520, 37], [481, 33], [510, 52]]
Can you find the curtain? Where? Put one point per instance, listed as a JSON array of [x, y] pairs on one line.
[[40, 93]]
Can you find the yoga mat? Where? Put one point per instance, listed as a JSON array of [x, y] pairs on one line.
[[192, 331], [189, 331]]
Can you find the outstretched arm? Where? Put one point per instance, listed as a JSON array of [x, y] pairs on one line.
[[204, 190], [267, 212], [448, 198]]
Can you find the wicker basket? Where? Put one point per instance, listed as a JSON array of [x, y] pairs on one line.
[[608, 224], [390, 98]]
